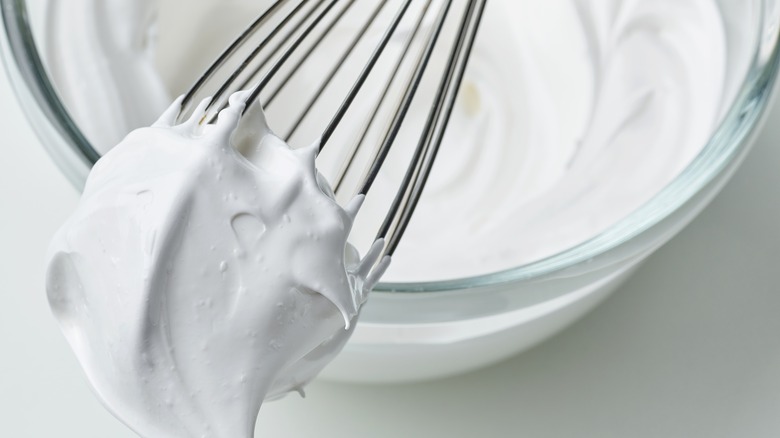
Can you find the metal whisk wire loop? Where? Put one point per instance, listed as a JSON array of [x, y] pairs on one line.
[[292, 33]]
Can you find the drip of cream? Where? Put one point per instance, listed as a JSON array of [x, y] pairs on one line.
[[572, 115], [193, 283]]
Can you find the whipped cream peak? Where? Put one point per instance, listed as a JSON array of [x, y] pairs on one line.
[[194, 283]]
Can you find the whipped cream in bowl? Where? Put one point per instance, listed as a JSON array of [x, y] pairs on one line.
[[585, 136]]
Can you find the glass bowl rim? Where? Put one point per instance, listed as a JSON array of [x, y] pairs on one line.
[[743, 115]]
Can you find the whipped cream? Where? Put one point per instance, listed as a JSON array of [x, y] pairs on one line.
[[206, 269], [572, 114]]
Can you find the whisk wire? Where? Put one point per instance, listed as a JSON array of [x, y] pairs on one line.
[[363, 75], [229, 51], [288, 36], [406, 102], [334, 71], [220, 95], [307, 55], [452, 83], [289, 52], [359, 141]]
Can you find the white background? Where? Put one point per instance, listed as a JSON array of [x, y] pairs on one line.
[[690, 347]]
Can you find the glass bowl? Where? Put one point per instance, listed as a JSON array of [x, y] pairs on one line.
[[415, 331]]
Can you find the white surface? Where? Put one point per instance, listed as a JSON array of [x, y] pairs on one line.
[[688, 348]]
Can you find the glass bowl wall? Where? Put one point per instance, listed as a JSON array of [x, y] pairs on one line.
[[412, 331]]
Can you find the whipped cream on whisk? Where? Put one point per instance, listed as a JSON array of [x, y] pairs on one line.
[[194, 282]]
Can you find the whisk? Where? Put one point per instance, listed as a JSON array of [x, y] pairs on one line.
[[287, 40]]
